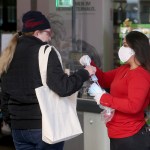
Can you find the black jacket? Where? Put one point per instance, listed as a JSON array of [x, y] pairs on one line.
[[19, 101]]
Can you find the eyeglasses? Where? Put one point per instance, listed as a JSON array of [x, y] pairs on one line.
[[48, 32]]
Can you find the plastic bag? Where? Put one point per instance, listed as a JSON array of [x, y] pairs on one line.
[[107, 114]]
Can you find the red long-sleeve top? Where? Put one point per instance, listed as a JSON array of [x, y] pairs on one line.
[[129, 96]]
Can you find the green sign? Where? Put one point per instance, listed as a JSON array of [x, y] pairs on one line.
[[64, 3]]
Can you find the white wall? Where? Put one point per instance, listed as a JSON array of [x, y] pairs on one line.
[[22, 7], [95, 27]]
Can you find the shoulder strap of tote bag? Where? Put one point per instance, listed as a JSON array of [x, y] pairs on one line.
[[43, 60]]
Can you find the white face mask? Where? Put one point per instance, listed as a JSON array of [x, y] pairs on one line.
[[125, 53]]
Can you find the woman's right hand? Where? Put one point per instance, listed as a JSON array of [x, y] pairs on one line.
[[90, 69]]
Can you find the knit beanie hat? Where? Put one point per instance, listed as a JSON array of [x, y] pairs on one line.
[[34, 20]]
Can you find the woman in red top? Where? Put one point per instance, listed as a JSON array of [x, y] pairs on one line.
[[129, 94]]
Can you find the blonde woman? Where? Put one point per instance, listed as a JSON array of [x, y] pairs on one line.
[[20, 76]]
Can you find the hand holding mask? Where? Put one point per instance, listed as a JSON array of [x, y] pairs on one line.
[[85, 60], [96, 91]]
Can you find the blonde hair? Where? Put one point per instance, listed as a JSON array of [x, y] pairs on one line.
[[8, 53]]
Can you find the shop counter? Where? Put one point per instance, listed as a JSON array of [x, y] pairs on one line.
[[94, 130], [87, 105]]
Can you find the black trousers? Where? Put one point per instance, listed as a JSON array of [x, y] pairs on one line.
[[139, 141]]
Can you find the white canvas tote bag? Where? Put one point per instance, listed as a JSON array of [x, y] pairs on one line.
[[59, 116]]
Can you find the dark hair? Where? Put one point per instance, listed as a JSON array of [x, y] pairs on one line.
[[139, 42]]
